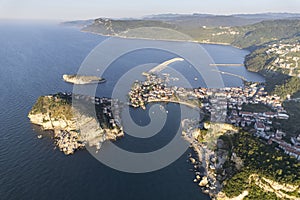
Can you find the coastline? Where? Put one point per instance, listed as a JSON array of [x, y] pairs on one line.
[[74, 128], [163, 40], [51, 170], [174, 101], [196, 147]]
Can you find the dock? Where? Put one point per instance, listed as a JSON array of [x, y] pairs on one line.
[[162, 66], [226, 65]]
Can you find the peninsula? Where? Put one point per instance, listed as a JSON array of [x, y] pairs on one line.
[[239, 138]]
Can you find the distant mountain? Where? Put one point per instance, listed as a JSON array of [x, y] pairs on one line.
[[171, 16], [205, 20], [221, 20], [270, 16], [200, 20]]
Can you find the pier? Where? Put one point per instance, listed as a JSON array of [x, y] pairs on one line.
[[226, 65], [162, 66]]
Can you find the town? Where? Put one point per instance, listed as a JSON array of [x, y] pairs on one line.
[[226, 105], [286, 59]]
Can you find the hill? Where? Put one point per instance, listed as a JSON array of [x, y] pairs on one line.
[[210, 20], [278, 62], [248, 36]]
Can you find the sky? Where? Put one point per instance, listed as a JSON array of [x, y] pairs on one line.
[[90, 9]]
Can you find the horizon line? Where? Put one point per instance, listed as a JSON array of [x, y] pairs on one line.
[[144, 16]]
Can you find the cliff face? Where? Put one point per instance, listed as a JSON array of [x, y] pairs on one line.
[[72, 128], [50, 123]]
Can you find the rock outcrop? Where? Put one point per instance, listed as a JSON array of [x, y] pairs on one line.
[[72, 128], [80, 79], [203, 182]]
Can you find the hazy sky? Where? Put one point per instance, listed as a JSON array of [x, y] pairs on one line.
[[84, 9]]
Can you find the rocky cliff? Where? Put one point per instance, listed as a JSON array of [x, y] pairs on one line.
[[72, 128]]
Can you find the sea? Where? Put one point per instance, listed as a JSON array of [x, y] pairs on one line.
[[33, 58]]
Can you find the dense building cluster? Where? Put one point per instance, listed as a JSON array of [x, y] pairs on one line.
[[287, 57], [156, 89], [224, 105], [231, 102]]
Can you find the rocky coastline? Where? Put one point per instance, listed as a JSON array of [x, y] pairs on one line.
[[207, 160], [73, 129]]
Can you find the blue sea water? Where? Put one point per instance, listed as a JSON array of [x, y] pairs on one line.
[[33, 59]]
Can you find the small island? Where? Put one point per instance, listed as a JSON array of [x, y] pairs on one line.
[[81, 80], [73, 125]]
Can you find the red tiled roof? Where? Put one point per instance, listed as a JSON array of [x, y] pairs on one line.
[[260, 125]]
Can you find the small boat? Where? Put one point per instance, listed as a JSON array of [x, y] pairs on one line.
[[162, 108], [39, 136]]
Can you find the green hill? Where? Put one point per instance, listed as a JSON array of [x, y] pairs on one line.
[[249, 36], [266, 31]]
